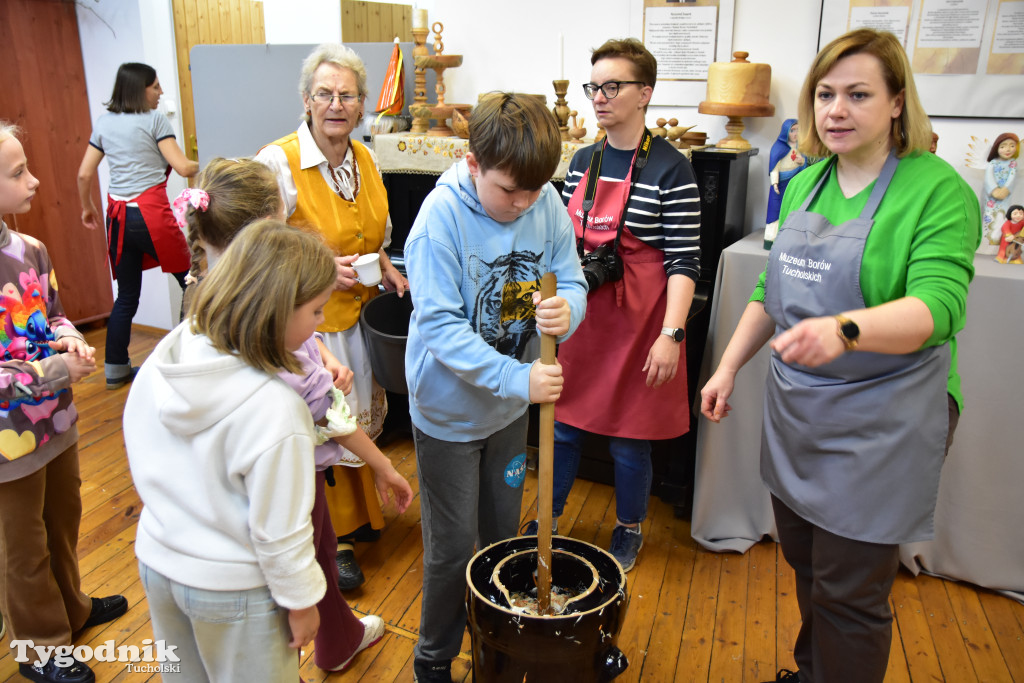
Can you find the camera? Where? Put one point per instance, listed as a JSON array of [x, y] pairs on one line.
[[600, 266]]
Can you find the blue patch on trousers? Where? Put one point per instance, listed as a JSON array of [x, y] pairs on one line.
[[515, 471]]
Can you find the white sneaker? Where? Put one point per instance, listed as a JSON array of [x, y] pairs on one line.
[[373, 631]]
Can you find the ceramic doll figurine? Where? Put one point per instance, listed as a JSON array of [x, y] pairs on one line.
[[784, 162], [1012, 236], [1000, 178]]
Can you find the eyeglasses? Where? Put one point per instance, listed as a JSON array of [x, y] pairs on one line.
[[610, 89], [324, 97]]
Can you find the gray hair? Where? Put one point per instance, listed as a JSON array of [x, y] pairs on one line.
[[338, 55], [8, 130]]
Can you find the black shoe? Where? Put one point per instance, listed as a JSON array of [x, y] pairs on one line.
[[121, 381], [426, 671], [786, 676], [350, 576], [106, 609], [51, 673], [364, 534], [531, 528]]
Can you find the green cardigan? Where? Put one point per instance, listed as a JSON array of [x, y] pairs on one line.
[[926, 231]]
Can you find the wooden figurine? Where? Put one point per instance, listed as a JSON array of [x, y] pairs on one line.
[[577, 131], [659, 130]]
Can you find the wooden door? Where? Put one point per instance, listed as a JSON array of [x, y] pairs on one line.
[[44, 92], [375, 22], [209, 22]]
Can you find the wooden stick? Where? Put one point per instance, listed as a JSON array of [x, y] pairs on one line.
[[545, 468]]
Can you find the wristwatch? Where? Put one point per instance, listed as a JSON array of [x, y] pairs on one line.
[[848, 331], [676, 333]]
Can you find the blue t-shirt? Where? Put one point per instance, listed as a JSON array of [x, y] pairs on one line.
[[129, 142]]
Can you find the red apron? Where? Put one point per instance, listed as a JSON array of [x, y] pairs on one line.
[[172, 253], [605, 387]]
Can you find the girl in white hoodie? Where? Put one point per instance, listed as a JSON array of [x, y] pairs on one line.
[[221, 452]]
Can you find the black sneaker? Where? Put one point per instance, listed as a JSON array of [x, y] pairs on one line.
[[426, 671], [626, 544], [77, 672], [531, 527], [786, 676], [106, 609], [350, 576]]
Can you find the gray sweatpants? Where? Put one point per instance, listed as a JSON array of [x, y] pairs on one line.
[[470, 497]]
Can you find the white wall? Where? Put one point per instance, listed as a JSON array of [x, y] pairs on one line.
[[517, 48]]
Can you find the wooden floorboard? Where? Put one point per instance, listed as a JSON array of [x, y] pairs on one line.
[[693, 616]]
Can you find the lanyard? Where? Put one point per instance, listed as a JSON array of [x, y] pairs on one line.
[[639, 161]]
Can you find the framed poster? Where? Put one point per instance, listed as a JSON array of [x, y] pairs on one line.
[[967, 55], [686, 36]]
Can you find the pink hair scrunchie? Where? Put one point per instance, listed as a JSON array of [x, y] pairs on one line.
[[197, 198]]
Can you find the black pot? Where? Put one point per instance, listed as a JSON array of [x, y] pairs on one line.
[[384, 321], [577, 645]]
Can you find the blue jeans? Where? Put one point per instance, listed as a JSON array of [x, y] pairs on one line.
[[633, 472], [220, 636], [137, 243]]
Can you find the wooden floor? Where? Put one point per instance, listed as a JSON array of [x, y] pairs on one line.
[[692, 616]]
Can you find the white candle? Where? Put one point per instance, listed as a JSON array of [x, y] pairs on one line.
[[561, 56], [421, 19]]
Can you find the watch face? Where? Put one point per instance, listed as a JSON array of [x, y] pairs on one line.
[[850, 330], [679, 334]]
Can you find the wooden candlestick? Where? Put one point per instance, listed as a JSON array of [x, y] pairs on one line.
[[561, 109], [419, 90]]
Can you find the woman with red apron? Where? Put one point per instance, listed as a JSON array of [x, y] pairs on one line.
[[138, 143], [624, 368]]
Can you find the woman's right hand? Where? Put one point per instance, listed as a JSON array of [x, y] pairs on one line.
[[347, 277], [714, 397], [91, 218], [303, 624]]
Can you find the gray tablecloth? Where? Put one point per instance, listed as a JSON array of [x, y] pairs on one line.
[[979, 521]]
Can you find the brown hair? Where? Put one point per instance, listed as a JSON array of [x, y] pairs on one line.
[[515, 134], [129, 96], [241, 191], [244, 305], [994, 152], [910, 131], [645, 66]]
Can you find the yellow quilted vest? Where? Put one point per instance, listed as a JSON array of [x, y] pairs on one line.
[[348, 227]]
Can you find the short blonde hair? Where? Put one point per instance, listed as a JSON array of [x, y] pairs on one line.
[[515, 134], [244, 305], [910, 132], [9, 130], [340, 56]]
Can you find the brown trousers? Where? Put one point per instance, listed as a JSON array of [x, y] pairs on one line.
[[40, 588]]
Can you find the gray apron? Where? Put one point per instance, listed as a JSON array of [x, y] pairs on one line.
[[854, 446]]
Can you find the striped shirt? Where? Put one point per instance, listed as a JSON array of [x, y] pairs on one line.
[[664, 206]]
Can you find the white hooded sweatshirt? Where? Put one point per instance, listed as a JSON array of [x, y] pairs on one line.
[[222, 457]]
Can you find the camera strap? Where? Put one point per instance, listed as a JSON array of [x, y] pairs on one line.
[[639, 161]]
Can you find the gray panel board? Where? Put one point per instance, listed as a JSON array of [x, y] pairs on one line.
[[246, 96]]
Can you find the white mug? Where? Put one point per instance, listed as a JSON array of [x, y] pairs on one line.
[[368, 269]]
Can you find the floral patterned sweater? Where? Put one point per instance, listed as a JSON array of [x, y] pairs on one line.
[[37, 415]]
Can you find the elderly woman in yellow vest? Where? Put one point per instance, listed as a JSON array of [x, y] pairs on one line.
[[332, 183]]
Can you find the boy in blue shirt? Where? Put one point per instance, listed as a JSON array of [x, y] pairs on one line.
[[480, 244]]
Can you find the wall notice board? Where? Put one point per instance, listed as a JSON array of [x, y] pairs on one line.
[[967, 55]]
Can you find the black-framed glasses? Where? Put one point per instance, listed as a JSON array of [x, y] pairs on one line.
[[324, 97], [610, 89]]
